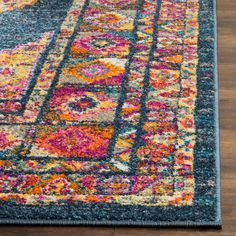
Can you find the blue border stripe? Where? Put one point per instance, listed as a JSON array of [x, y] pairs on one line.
[[146, 89], [123, 94], [217, 112]]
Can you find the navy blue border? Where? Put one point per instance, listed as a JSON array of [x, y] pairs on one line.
[[206, 208]]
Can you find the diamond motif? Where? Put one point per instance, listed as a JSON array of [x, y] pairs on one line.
[[96, 72]]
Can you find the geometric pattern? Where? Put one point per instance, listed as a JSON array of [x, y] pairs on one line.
[[122, 99], [102, 108]]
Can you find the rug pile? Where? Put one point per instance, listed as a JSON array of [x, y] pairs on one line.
[[108, 112]]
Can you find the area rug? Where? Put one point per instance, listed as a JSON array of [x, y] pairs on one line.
[[109, 113]]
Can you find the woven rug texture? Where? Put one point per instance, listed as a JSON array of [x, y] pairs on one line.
[[109, 112]]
